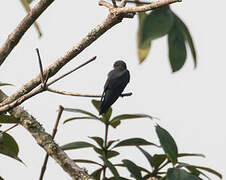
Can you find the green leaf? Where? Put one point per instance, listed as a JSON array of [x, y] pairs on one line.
[[168, 144], [177, 47], [82, 112], [78, 118], [9, 146], [77, 145], [112, 168], [180, 174], [190, 154], [156, 24], [107, 115], [134, 142], [86, 161], [187, 36], [202, 168], [142, 48], [96, 174], [98, 140], [158, 159], [133, 169], [8, 119], [99, 151], [5, 84], [147, 155], [116, 120], [111, 154]]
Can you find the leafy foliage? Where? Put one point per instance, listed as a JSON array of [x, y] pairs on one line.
[[158, 23], [105, 149]]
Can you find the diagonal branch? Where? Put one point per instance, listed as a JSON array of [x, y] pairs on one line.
[[24, 25], [47, 143]]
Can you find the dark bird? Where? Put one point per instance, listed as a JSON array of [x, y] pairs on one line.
[[116, 82]]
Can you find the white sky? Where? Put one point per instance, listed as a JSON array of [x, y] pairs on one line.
[[190, 103]]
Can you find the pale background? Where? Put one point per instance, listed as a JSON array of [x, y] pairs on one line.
[[190, 103]]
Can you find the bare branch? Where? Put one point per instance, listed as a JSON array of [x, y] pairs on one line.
[[81, 95], [53, 136], [40, 66], [38, 90], [15, 125], [137, 2], [115, 16], [87, 62], [24, 25], [143, 8], [46, 142], [106, 4]]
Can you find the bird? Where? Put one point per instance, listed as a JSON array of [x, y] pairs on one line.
[[116, 82]]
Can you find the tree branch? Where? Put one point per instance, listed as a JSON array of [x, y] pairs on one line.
[[46, 142], [24, 25], [81, 95], [53, 136], [115, 16]]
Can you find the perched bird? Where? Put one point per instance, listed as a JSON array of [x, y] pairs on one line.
[[116, 82]]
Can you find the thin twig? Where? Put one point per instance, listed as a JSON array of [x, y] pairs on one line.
[[106, 4], [137, 2], [40, 66], [81, 95], [10, 128], [80, 66], [61, 108]]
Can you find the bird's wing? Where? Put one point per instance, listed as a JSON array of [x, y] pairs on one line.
[[116, 78]]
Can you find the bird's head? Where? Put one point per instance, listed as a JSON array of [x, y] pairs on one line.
[[121, 65]]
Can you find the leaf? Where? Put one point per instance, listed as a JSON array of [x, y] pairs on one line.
[[107, 115], [190, 154], [26, 6], [202, 168], [147, 155], [9, 147], [111, 154], [78, 118], [177, 47], [134, 142], [86, 161], [155, 25], [112, 168], [133, 169], [96, 174], [77, 145], [99, 151], [142, 48], [98, 140], [8, 119], [188, 37], [168, 144], [116, 120], [82, 112], [5, 84], [180, 174], [158, 159]]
